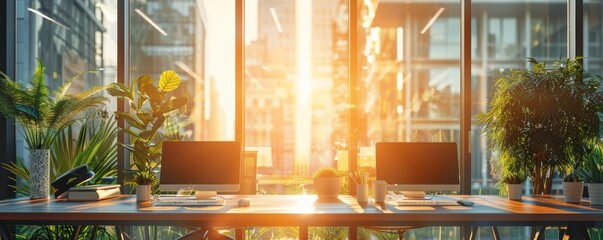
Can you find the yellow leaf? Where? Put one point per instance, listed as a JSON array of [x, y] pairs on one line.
[[168, 81]]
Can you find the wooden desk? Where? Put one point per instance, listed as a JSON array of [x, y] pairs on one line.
[[303, 211]]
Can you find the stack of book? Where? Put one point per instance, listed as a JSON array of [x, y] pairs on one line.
[[93, 192]]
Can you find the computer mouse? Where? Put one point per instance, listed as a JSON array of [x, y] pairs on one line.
[[244, 202], [465, 202]]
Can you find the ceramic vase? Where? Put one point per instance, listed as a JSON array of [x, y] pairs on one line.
[[572, 191], [595, 193], [515, 191], [143, 193], [39, 173], [327, 187]]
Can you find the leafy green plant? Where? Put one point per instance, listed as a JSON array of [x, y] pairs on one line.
[[43, 115], [144, 178], [592, 169], [571, 177], [543, 118], [328, 233], [328, 172], [93, 144], [513, 179], [149, 105]]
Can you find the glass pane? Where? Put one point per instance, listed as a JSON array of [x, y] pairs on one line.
[[409, 81], [197, 40], [70, 38], [593, 36], [503, 36], [296, 89]]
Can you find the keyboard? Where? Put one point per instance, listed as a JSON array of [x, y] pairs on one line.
[[189, 202], [427, 203]]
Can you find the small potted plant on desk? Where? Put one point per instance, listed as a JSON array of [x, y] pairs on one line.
[[514, 183], [592, 173], [572, 187], [143, 180], [327, 182]]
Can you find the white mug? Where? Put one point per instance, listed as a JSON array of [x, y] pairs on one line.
[[380, 190]]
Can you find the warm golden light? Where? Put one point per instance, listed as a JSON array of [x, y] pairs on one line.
[[277, 23], [399, 44], [432, 20], [150, 21], [303, 110]]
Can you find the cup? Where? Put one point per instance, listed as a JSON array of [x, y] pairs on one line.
[[362, 193], [380, 187]]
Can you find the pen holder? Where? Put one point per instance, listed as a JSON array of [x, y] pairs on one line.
[[362, 192]]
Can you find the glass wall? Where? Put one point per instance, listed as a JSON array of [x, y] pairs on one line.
[[409, 74], [296, 89], [70, 38], [593, 36], [195, 39], [503, 35]]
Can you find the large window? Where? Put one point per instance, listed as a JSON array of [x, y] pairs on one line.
[[296, 88], [70, 38], [409, 74], [503, 35], [195, 39]]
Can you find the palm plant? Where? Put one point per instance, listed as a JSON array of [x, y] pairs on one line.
[[543, 118], [43, 115], [94, 144]]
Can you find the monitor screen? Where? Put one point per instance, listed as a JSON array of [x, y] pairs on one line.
[[418, 166], [201, 165]]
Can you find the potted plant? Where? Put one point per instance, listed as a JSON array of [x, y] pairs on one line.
[[592, 173], [43, 116], [514, 183], [572, 187], [149, 105], [543, 117], [327, 182], [143, 180]]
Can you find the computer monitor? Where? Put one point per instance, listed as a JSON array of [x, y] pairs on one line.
[[418, 166], [201, 166]]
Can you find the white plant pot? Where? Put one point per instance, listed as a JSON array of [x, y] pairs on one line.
[[572, 191], [327, 187], [39, 173], [595, 193], [514, 191], [143, 193]]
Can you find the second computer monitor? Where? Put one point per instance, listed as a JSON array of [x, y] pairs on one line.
[[418, 166], [201, 166]]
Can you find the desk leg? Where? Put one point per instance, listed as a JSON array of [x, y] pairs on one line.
[[538, 232], [240, 233], [352, 232], [76, 232], [119, 233], [495, 234], [576, 231], [303, 232], [4, 233], [473, 232]]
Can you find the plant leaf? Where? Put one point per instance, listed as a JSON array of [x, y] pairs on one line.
[[168, 81]]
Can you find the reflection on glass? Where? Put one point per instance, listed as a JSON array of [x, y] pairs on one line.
[[593, 36], [296, 84], [503, 35], [195, 39], [71, 38], [409, 77]]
